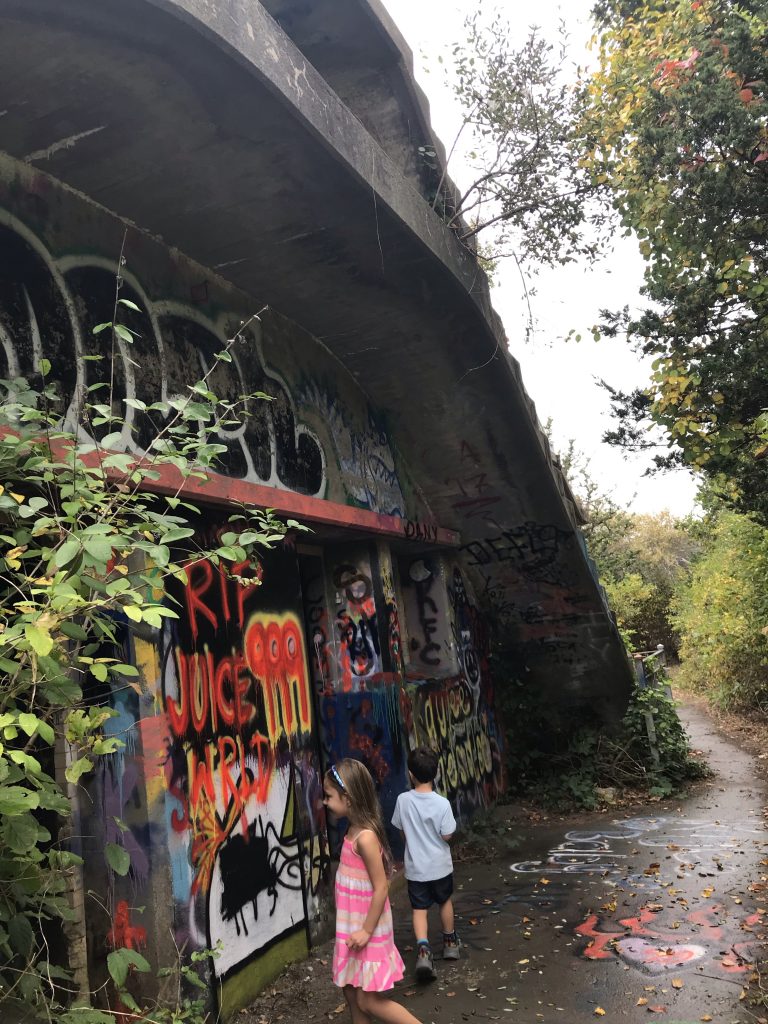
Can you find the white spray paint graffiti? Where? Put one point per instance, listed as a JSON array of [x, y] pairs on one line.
[[364, 457], [587, 851], [48, 307]]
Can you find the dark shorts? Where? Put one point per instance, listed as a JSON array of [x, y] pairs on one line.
[[423, 894]]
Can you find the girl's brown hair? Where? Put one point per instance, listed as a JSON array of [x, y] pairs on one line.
[[357, 786]]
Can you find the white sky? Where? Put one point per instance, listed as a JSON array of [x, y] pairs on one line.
[[560, 376]]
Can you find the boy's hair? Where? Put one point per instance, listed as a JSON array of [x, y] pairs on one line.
[[357, 785], [422, 764]]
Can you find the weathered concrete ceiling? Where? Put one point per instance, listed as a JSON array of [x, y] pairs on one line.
[[200, 121]]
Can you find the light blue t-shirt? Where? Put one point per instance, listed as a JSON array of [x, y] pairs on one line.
[[425, 818]]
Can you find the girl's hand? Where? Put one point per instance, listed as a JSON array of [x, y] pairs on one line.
[[358, 939]]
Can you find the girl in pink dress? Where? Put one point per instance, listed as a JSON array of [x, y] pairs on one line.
[[366, 963]]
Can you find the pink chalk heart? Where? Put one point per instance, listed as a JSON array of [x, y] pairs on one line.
[[655, 958]]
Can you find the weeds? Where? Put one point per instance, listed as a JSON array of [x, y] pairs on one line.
[[565, 769]]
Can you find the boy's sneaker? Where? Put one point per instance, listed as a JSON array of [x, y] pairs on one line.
[[451, 948], [425, 968]]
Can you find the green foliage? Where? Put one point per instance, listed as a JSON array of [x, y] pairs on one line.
[[676, 133], [649, 560], [86, 544], [640, 559], [528, 195], [189, 999], [722, 616]]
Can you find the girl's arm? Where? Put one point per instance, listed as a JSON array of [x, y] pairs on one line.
[[369, 849]]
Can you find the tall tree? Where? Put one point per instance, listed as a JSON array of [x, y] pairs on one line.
[[524, 191], [677, 131]]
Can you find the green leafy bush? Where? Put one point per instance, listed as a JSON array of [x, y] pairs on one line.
[[722, 616], [85, 543]]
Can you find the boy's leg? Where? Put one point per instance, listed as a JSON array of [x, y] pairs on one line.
[[421, 925], [447, 919], [451, 944], [443, 894], [421, 900]]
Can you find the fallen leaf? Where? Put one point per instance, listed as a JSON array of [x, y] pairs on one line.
[[677, 983], [340, 1008], [450, 994], [642, 1001], [544, 881], [657, 1009], [706, 893], [706, 1017], [523, 961], [599, 1011]]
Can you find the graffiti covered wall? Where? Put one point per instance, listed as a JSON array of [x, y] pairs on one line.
[[343, 648], [58, 264], [244, 785], [454, 714]]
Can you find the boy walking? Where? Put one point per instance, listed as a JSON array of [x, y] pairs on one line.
[[426, 820]]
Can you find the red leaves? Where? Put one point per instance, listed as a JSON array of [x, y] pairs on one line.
[[669, 70]]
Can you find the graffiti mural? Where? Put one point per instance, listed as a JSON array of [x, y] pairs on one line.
[[318, 623], [364, 454], [445, 718], [47, 310], [427, 614], [391, 608], [455, 715], [243, 776], [359, 644], [367, 725]]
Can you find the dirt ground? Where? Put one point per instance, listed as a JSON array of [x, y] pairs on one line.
[[655, 909]]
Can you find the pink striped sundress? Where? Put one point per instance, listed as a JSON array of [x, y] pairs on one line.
[[378, 966]]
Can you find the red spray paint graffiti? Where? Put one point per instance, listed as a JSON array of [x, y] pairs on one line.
[[655, 949]]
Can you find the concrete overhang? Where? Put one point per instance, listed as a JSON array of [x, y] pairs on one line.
[[203, 123]]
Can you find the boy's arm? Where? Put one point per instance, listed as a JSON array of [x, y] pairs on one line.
[[448, 824]]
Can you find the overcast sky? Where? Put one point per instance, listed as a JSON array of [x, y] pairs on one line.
[[560, 376]]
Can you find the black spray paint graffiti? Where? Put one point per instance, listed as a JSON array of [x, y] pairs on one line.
[[533, 548], [48, 309], [251, 864], [416, 530], [466, 624], [424, 579], [691, 843]]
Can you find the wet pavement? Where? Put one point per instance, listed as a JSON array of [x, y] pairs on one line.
[[613, 917]]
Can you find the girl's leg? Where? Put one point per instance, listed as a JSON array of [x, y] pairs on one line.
[[379, 1005], [359, 1016]]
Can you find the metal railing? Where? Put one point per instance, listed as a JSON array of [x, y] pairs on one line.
[[650, 671]]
